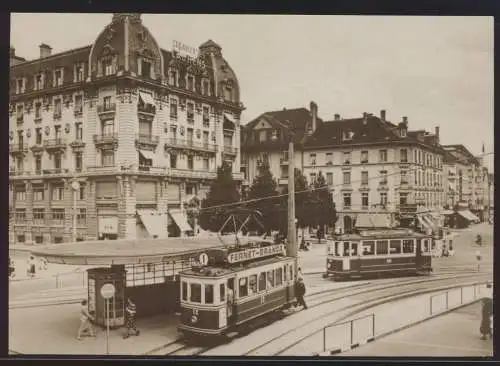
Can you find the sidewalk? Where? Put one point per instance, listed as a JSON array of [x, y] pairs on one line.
[[29, 330], [455, 334]]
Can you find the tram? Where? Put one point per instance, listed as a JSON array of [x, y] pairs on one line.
[[232, 286], [376, 252]]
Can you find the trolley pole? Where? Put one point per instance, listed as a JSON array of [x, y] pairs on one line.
[[291, 240]]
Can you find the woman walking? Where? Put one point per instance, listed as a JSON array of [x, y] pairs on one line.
[[131, 312]]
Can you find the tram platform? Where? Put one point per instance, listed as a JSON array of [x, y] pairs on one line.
[[454, 334]]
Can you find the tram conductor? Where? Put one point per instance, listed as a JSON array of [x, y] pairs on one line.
[[300, 291]]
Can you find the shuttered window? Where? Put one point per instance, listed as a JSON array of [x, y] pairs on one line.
[[173, 193], [145, 191], [106, 190]]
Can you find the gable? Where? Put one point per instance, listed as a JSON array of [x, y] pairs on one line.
[[262, 125]]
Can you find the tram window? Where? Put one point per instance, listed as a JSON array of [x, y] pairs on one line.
[[252, 284], [243, 287], [195, 292], [368, 247], [346, 249], [291, 272], [354, 248], [395, 247], [262, 281], [382, 247], [285, 271], [184, 291], [270, 279], [425, 245], [222, 292], [408, 246], [209, 294], [279, 276]]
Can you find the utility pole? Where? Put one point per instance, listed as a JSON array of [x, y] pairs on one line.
[[291, 241]]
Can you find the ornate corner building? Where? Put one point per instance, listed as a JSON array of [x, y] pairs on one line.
[[141, 129]]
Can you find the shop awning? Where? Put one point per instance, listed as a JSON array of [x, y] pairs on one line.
[[146, 154], [181, 221], [429, 220], [466, 214], [154, 222], [365, 220], [147, 98]]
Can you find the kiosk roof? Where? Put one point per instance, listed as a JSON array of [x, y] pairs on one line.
[[124, 251]]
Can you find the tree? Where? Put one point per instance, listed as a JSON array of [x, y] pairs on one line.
[[223, 190], [322, 212], [263, 186], [302, 201]]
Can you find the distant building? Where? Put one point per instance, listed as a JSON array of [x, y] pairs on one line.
[[142, 129], [371, 164]]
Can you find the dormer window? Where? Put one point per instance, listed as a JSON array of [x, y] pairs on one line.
[[190, 82], [20, 86], [38, 82], [206, 87], [312, 159], [107, 67], [146, 68], [58, 77], [228, 93], [403, 132], [172, 77], [79, 76]]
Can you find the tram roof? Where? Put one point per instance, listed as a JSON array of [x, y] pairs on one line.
[[381, 234], [124, 251]]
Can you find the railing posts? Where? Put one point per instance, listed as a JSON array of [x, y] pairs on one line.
[[324, 339], [461, 295], [474, 287], [352, 331], [57, 280], [430, 306], [373, 325], [447, 300]]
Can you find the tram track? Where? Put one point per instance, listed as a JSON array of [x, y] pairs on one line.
[[179, 347]]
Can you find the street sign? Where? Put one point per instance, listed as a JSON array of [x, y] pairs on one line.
[[108, 291]]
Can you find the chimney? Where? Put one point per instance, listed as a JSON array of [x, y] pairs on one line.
[[365, 118], [405, 121], [45, 50], [336, 117], [437, 134], [382, 115], [314, 115]]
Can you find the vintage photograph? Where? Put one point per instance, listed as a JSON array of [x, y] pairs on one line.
[[251, 185]]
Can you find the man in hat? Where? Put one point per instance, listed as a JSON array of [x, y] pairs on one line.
[[300, 291]]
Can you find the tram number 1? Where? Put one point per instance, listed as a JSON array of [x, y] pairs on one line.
[[262, 299]]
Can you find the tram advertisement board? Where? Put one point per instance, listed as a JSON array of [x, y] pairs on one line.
[[254, 253]]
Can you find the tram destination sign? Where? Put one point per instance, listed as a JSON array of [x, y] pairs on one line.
[[254, 253]]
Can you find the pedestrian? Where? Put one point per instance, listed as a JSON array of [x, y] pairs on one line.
[[12, 269], [31, 266], [131, 310], [299, 273], [86, 327], [478, 258], [300, 291], [486, 313]]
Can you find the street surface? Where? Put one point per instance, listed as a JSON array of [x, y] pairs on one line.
[[455, 334], [60, 323]]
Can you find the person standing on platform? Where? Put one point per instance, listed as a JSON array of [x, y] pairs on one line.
[[300, 291], [486, 313], [230, 302], [86, 327], [131, 310]]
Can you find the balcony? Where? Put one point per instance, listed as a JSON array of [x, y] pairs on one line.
[[190, 145], [78, 111], [283, 161], [103, 169], [108, 139], [229, 150], [77, 143], [54, 171], [143, 141], [146, 109], [18, 173], [186, 173], [38, 118], [19, 148], [54, 144], [106, 111], [147, 169], [38, 146], [407, 207]]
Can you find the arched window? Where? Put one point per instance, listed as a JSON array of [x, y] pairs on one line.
[[228, 93]]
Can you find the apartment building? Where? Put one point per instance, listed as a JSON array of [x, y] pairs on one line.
[[140, 128]]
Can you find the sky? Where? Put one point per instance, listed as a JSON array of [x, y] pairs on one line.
[[437, 71]]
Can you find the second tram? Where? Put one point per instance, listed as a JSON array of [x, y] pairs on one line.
[[374, 252]]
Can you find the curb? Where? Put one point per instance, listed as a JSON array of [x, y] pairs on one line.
[[64, 301], [371, 339]]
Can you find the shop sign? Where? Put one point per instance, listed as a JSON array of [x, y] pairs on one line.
[[254, 253]]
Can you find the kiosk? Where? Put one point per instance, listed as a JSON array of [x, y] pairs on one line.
[[97, 278]]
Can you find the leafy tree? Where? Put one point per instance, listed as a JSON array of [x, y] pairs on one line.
[[302, 201], [223, 190], [322, 213], [264, 185]]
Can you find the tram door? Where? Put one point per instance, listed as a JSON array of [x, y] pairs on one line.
[[355, 257], [230, 300]]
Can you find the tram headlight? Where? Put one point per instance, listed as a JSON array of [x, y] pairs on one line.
[[194, 319]]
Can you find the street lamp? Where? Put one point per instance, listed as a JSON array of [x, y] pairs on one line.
[[76, 186], [291, 240]]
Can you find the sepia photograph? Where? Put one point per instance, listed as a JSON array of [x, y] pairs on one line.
[[250, 185]]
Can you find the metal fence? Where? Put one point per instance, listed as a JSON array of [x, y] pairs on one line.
[[453, 298], [44, 281]]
